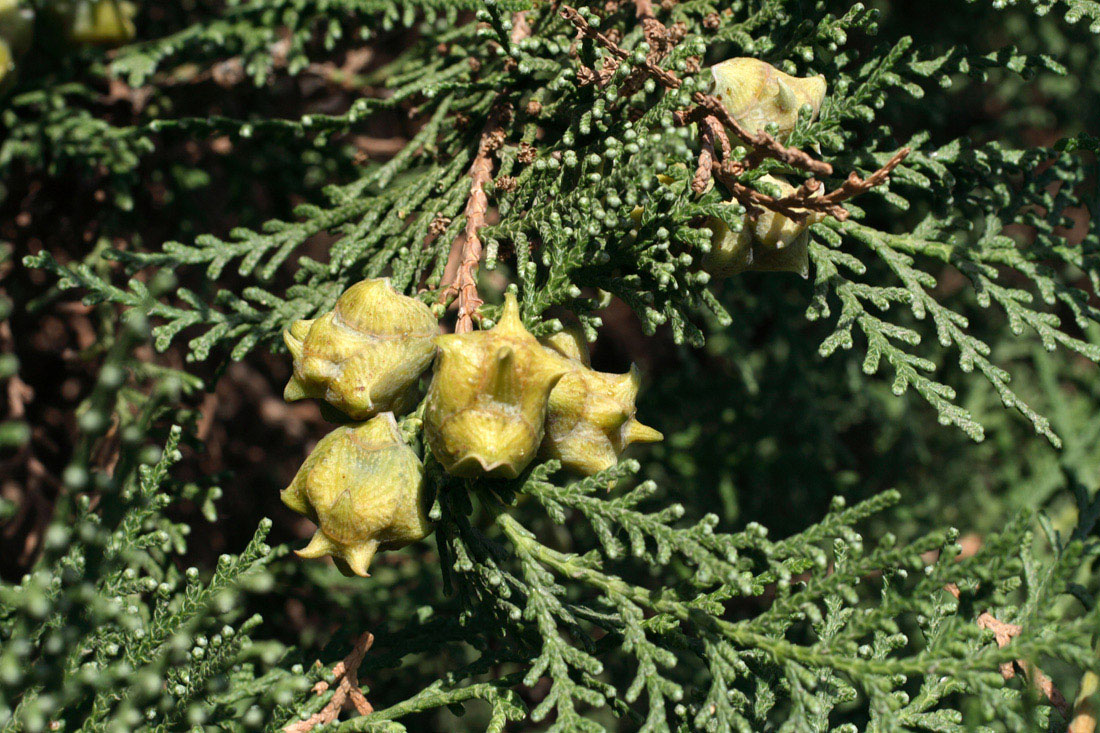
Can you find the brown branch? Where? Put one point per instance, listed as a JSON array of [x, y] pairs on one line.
[[345, 675], [855, 186], [520, 27], [706, 162], [653, 29], [460, 276], [762, 141], [804, 201], [1004, 633], [468, 244]]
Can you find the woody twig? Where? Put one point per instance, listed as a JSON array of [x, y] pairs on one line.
[[461, 281], [804, 201], [762, 141], [715, 120], [345, 677], [1005, 633]]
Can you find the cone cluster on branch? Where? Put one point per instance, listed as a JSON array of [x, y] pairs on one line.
[[497, 399]]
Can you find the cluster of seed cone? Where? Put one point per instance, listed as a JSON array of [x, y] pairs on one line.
[[497, 398], [758, 95]]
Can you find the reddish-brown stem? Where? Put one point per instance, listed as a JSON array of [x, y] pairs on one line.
[[1004, 633], [460, 278], [802, 202], [760, 140], [345, 676], [706, 160]]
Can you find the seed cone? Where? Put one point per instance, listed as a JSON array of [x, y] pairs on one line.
[[772, 243], [756, 93], [364, 488], [98, 22], [590, 419], [364, 356], [487, 401]]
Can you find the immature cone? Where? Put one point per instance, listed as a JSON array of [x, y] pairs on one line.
[[364, 488], [756, 93], [487, 401], [590, 417], [99, 22], [772, 243], [364, 356]]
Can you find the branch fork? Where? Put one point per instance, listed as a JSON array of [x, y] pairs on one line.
[[714, 120], [347, 691]]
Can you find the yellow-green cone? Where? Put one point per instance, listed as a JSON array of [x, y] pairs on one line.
[[364, 488], [487, 401], [772, 243], [756, 94], [590, 419], [366, 355], [100, 22]]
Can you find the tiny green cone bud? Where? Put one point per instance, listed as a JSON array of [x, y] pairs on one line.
[[772, 243], [756, 94], [487, 401], [590, 418], [364, 356], [100, 22], [364, 488]]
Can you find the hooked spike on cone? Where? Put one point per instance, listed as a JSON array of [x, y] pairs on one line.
[[319, 546], [635, 432], [786, 98], [293, 343], [295, 390], [357, 559], [510, 320], [300, 329], [504, 384], [570, 343]]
